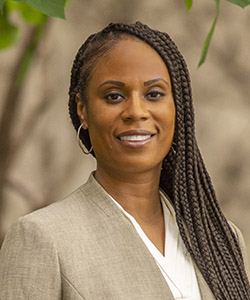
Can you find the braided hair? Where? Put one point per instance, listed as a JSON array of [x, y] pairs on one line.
[[202, 225]]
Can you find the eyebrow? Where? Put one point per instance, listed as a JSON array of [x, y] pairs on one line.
[[119, 83], [155, 80]]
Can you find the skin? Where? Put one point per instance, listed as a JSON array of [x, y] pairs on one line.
[[129, 93]]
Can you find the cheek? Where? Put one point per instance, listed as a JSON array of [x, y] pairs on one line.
[[100, 130], [167, 117]]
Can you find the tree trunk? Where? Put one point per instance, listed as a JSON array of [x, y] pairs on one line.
[[11, 104]]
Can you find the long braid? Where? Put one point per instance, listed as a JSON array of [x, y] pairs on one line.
[[202, 225]]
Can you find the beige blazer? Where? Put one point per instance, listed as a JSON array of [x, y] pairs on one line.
[[82, 247]]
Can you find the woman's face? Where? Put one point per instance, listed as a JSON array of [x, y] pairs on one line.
[[130, 113]]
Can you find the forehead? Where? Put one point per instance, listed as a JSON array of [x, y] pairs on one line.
[[130, 56]]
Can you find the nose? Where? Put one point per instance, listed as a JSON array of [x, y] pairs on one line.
[[135, 108]]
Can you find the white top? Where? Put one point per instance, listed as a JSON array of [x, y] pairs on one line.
[[176, 264]]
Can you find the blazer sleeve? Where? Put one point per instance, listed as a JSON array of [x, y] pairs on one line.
[[29, 266]]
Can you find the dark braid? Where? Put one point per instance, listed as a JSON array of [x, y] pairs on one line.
[[203, 227]]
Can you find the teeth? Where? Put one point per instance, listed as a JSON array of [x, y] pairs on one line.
[[135, 137]]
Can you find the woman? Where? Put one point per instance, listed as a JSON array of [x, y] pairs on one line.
[[147, 224]]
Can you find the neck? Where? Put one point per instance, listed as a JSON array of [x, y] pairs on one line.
[[137, 193]]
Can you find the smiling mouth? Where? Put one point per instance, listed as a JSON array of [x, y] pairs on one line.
[[135, 138]]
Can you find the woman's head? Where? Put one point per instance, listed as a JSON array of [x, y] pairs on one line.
[[130, 112], [99, 45]]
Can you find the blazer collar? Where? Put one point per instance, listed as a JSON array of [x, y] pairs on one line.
[[98, 195]]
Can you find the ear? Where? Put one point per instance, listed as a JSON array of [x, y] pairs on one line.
[[81, 111]]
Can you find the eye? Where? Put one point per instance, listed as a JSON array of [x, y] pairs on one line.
[[114, 97], [154, 95]]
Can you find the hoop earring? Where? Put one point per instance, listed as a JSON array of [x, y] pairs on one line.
[[172, 148], [80, 143]]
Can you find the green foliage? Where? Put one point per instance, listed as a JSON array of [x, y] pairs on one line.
[[241, 3], [210, 34], [1, 4], [52, 8], [33, 12], [9, 32], [28, 13], [188, 4]]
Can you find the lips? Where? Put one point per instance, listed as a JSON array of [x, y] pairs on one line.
[[135, 135], [135, 138]]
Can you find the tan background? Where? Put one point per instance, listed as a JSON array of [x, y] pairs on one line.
[[49, 165]]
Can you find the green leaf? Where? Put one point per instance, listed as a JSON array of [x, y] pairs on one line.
[[9, 32], [29, 14], [241, 3], [188, 4], [209, 36], [67, 3], [52, 8], [1, 4]]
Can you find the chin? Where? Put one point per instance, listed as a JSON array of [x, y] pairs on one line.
[[138, 166]]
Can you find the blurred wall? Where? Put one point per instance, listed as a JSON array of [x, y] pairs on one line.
[[49, 165]]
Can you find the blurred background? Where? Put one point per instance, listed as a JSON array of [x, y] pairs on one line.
[[45, 163]]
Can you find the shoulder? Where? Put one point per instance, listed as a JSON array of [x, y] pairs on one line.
[[56, 214], [81, 217], [242, 244], [78, 205], [63, 229], [39, 228], [237, 233]]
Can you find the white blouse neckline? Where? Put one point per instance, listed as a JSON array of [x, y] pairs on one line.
[[176, 264]]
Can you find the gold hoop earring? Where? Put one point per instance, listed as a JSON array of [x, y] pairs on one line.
[[80, 143], [173, 149]]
